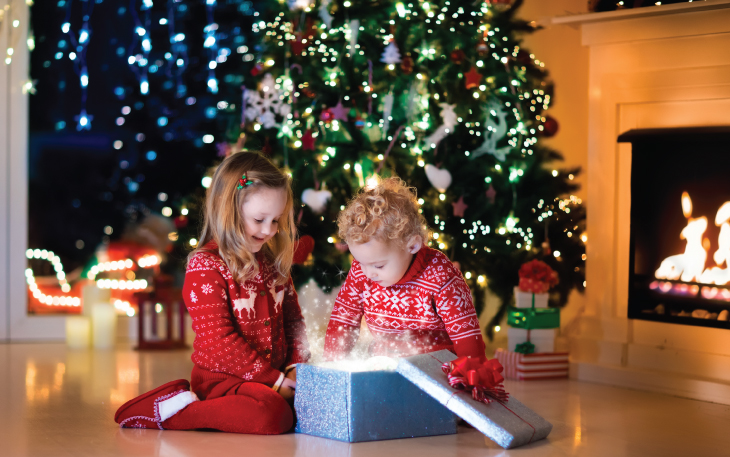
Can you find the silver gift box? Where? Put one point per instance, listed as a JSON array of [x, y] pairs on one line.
[[509, 424]]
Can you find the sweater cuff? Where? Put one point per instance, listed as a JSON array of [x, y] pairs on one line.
[[278, 383]]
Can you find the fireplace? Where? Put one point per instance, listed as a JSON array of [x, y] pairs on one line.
[[679, 245]]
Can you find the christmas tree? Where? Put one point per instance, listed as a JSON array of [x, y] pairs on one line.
[[439, 93]]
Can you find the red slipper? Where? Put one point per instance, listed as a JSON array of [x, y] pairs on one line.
[[150, 409]]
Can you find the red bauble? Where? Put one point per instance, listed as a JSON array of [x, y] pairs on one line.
[[181, 222], [256, 69], [457, 56], [550, 127], [304, 247], [407, 65], [327, 115], [297, 46]]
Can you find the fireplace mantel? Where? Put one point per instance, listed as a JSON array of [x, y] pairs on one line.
[[657, 67]]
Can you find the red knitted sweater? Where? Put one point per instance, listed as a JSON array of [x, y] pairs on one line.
[[248, 330], [429, 309]]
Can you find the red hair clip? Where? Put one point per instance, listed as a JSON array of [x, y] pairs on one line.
[[244, 181]]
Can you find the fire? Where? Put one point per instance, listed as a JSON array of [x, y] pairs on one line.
[[690, 266]]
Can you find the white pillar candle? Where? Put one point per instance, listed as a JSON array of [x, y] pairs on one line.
[[78, 332], [91, 295], [104, 325]]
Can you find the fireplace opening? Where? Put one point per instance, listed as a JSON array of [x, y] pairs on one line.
[[679, 269]]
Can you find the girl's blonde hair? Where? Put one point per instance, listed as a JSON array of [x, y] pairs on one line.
[[223, 213], [386, 211]]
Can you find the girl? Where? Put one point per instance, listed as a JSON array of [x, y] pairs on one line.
[[414, 300], [249, 330]]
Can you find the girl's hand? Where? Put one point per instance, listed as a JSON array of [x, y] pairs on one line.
[[292, 375]]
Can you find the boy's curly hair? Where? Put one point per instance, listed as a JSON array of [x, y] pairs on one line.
[[386, 211]]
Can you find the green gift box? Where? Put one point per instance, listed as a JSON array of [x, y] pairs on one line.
[[533, 318]]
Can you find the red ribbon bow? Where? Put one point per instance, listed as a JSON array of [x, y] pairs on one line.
[[482, 377]]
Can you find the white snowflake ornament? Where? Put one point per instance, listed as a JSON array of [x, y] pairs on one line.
[[264, 104]]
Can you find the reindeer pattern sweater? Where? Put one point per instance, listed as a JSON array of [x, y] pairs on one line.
[[250, 330], [429, 309]]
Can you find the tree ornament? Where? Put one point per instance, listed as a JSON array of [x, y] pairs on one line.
[[308, 141], [440, 179], [459, 207], [327, 115], [359, 122], [373, 132], [316, 199], [472, 78], [391, 55], [387, 110], [491, 194], [297, 5], [256, 69], [457, 56], [546, 250], [324, 13], [297, 45], [309, 93], [448, 117], [482, 49], [339, 112], [494, 132], [549, 127], [354, 31], [406, 65], [303, 249], [263, 104]]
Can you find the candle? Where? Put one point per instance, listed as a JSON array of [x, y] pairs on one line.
[[104, 325], [91, 294], [78, 332]]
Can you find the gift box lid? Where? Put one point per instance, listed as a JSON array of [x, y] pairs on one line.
[[509, 424]]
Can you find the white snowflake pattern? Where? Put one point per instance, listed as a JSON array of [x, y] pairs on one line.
[[193, 297], [257, 366], [264, 103], [207, 288]]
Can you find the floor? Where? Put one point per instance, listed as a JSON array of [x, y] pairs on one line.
[[57, 402]]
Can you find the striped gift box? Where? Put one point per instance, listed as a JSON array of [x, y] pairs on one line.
[[528, 367]]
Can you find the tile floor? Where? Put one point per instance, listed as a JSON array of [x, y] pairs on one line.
[[56, 402]]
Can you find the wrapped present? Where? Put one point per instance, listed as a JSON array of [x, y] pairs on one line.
[[530, 300], [542, 340], [533, 318], [540, 365], [365, 406], [506, 421], [537, 277]]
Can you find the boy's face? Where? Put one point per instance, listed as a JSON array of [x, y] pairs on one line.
[[384, 263]]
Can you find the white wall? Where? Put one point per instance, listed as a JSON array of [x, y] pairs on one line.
[[15, 324]]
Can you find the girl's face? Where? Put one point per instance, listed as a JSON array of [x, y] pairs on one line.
[[383, 263], [261, 213]]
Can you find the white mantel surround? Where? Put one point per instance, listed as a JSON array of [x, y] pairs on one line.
[[655, 67]]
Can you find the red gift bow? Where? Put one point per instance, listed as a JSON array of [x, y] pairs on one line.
[[537, 277], [482, 377]]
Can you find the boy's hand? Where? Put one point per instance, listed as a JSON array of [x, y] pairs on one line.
[[287, 393]]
